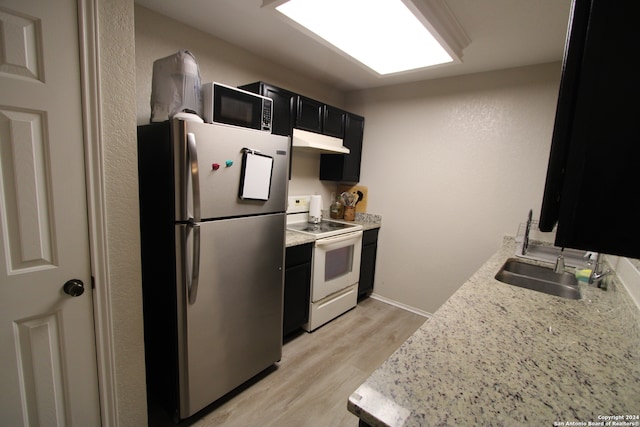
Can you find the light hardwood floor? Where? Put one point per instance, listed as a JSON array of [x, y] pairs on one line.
[[318, 372]]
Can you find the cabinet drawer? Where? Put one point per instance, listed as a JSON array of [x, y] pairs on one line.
[[370, 236], [300, 254]]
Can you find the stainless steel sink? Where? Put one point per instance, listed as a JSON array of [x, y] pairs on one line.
[[539, 278], [547, 253]]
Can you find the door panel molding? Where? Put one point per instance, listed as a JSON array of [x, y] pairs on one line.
[[23, 43], [29, 237], [40, 344]]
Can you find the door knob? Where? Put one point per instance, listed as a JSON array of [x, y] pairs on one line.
[[74, 287]]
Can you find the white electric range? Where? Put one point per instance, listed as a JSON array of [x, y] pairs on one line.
[[335, 266]]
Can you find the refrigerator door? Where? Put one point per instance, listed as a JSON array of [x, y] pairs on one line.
[[211, 171], [232, 328]]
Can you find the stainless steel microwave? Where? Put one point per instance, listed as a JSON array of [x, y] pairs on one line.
[[233, 106]]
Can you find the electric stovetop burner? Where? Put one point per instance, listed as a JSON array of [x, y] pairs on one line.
[[324, 228], [298, 220]]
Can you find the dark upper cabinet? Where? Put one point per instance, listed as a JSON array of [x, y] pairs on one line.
[[293, 110], [333, 121], [284, 106], [309, 114], [592, 183], [345, 167], [317, 117]]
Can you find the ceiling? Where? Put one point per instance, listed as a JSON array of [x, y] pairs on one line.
[[503, 34]]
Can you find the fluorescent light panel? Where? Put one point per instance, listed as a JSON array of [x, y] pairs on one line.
[[384, 35]]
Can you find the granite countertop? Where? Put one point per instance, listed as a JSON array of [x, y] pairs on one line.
[[368, 221], [496, 354]]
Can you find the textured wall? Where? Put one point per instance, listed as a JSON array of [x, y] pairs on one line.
[[463, 157], [158, 36], [117, 73], [452, 165]]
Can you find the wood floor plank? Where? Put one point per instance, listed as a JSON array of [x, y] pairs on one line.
[[310, 386]]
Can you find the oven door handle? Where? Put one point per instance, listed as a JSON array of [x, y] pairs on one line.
[[342, 238]]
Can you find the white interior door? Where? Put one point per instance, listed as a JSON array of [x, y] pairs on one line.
[[47, 344]]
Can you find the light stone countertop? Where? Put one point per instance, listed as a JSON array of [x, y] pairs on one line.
[[497, 354]]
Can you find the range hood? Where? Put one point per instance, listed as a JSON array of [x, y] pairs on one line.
[[303, 140]]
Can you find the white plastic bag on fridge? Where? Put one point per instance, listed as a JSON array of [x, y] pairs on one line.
[[175, 86]]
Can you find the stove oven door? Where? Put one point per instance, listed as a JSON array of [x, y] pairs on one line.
[[336, 264]]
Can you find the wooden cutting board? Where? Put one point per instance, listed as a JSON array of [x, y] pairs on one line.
[[362, 192]]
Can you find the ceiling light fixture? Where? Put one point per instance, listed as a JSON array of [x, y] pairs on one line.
[[388, 36]]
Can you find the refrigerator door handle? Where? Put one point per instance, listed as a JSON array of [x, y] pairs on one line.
[[195, 178], [195, 265]]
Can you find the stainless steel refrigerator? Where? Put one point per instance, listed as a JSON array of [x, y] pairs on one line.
[[212, 218]]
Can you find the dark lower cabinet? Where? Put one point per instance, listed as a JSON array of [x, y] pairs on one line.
[[297, 287], [368, 262]]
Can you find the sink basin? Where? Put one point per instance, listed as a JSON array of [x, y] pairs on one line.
[[539, 278]]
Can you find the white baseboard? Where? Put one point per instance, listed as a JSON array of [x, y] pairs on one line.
[[400, 305], [625, 270]]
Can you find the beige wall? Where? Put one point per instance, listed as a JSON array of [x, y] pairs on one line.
[[120, 171], [452, 165], [158, 36]]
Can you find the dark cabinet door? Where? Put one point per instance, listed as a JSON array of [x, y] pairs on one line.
[[368, 262], [354, 131], [333, 121], [284, 103], [345, 167], [309, 114], [284, 110], [597, 132], [297, 287], [293, 110]]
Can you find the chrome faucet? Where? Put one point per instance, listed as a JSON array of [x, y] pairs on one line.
[[597, 274], [525, 242], [559, 268]]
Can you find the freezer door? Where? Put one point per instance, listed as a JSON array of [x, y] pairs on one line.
[[232, 329], [209, 161]]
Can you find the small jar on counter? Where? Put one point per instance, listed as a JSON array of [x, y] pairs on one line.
[[336, 210], [349, 213]]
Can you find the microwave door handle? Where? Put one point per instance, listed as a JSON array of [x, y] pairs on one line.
[[195, 177], [195, 265]]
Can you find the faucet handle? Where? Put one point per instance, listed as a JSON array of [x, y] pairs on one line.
[[559, 268], [589, 257], [599, 280]]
